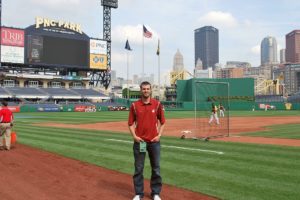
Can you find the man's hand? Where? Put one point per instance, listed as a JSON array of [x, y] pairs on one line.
[[156, 139], [138, 139], [11, 124]]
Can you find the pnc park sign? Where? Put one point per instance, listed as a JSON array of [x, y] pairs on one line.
[[45, 22]]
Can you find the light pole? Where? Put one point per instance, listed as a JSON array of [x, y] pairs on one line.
[[107, 5]]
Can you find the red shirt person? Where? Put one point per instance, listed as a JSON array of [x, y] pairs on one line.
[[6, 120], [146, 123]]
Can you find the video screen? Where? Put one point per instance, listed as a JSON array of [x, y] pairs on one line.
[[58, 51]]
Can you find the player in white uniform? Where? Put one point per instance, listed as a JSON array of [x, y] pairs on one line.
[[214, 114], [222, 109]]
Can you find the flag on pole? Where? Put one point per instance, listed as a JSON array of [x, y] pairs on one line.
[[146, 33], [158, 50], [127, 46]]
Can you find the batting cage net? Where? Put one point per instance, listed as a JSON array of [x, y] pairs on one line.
[[211, 102]]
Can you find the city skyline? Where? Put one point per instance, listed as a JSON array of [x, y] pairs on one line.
[[241, 25]]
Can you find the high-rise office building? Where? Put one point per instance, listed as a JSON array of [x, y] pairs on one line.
[[268, 51], [207, 46], [282, 55], [292, 51]]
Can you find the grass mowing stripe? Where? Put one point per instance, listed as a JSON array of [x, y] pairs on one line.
[[173, 147], [104, 151], [93, 143], [73, 132], [246, 159], [204, 161], [289, 131]]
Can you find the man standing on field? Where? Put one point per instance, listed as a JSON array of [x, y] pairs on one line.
[[146, 123]]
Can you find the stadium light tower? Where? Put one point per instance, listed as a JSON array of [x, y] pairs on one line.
[[105, 76]]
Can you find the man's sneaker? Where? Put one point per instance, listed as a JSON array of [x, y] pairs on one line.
[[156, 197], [136, 197]]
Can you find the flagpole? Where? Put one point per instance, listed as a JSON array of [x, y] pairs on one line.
[[127, 75], [127, 47], [143, 55], [158, 76]]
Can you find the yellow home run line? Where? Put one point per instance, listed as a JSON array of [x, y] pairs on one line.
[[173, 147]]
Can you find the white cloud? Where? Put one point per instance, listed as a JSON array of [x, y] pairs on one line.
[[218, 19], [248, 23], [56, 3], [256, 50], [133, 33]]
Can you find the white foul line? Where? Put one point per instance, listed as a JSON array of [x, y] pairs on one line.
[[173, 147]]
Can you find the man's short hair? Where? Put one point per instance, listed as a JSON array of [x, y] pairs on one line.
[[145, 83], [4, 103]]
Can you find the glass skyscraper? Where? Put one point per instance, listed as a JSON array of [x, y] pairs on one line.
[[268, 51], [207, 46]]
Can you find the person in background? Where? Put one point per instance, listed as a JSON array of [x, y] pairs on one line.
[[6, 122], [214, 114], [222, 110], [146, 123]]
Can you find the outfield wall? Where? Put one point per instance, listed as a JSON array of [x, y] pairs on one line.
[[243, 106], [238, 87]]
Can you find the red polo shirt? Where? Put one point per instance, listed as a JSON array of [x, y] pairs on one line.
[[145, 117], [6, 115]]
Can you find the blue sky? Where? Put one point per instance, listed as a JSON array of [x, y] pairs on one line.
[[242, 26]]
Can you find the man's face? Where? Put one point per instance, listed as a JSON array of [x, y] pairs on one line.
[[146, 91]]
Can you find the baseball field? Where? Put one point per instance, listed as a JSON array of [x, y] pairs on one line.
[[89, 156]]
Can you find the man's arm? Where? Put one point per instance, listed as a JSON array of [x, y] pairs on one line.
[[162, 120], [160, 132], [131, 124], [135, 137]]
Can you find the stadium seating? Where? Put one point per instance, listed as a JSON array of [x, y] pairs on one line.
[[295, 98], [45, 95], [88, 93], [4, 93], [26, 92], [268, 98], [61, 93]]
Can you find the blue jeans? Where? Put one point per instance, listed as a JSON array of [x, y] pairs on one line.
[[153, 150]]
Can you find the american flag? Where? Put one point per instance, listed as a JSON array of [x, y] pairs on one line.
[[146, 33]]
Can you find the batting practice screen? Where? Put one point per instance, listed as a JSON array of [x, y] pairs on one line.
[[211, 103]]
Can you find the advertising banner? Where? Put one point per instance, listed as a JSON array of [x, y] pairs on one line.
[[12, 37], [98, 61], [98, 47], [13, 108], [85, 109], [48, 109], [12, 54], [79, 108]]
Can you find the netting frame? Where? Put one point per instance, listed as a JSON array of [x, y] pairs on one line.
[[206, 138]]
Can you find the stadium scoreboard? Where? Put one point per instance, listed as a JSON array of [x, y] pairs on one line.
[[52, 43]]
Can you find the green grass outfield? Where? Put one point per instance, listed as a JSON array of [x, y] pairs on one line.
[[226, 170]]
